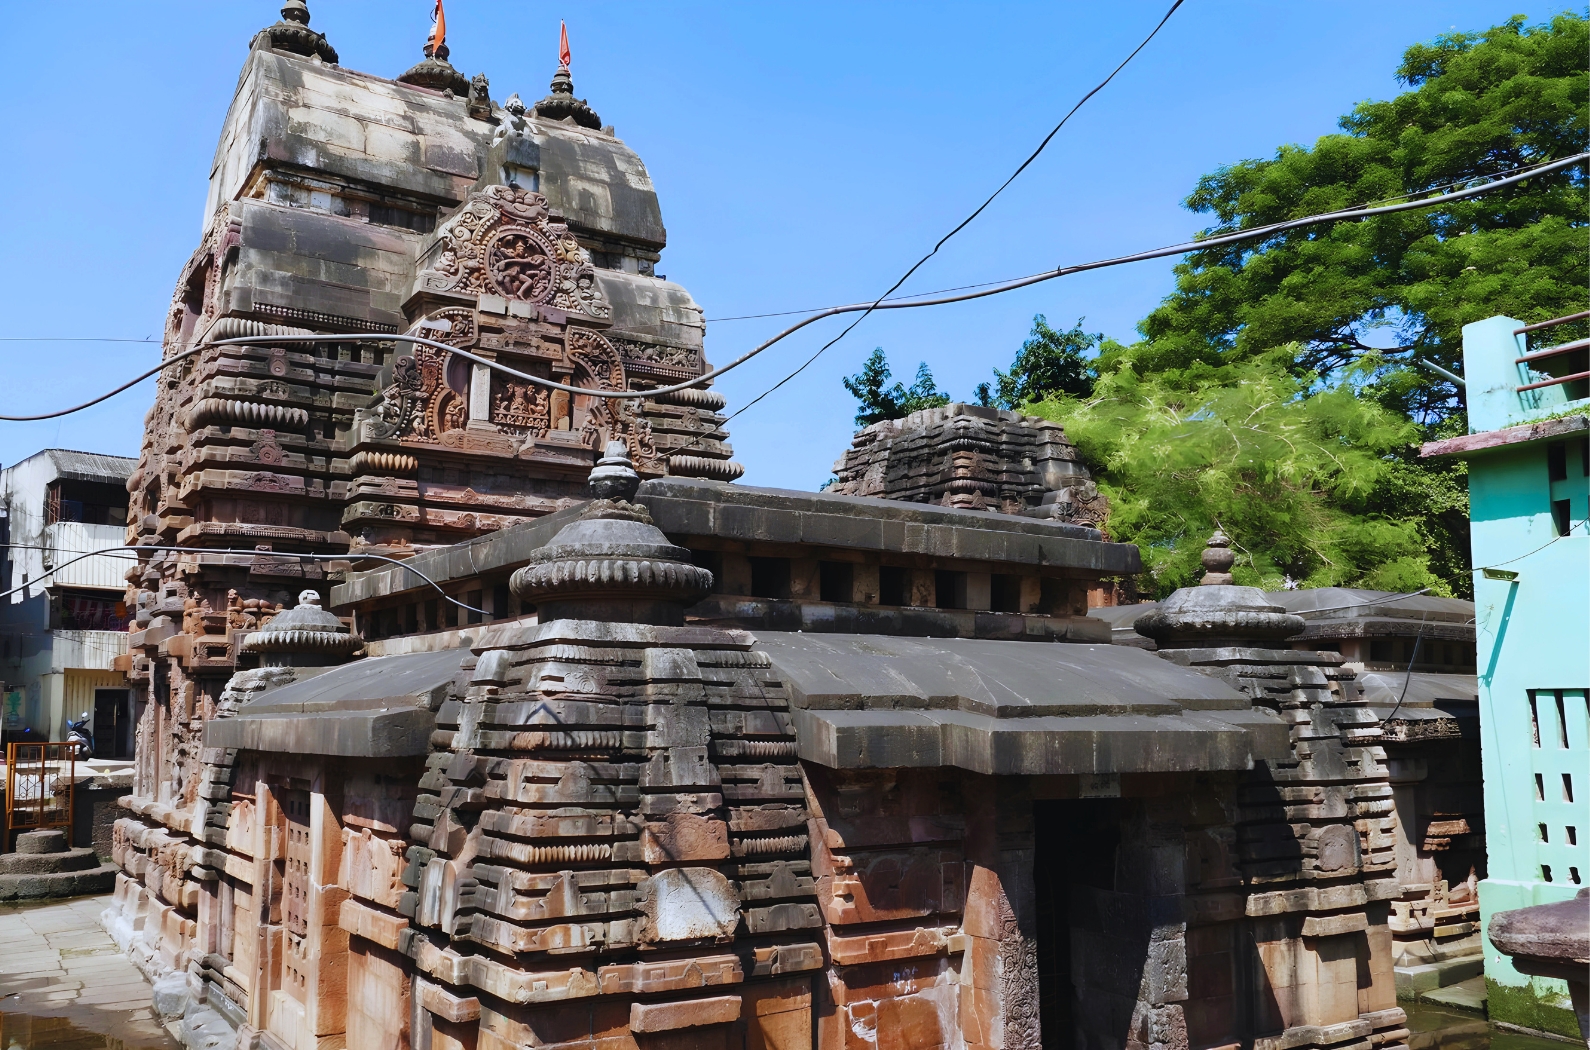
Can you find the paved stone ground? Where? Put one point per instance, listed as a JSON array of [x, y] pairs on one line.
[[65, 986]]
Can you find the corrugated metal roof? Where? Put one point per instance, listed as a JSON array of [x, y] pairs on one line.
[[91, 466]]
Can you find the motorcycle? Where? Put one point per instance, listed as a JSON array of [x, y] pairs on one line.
[[78, 733]]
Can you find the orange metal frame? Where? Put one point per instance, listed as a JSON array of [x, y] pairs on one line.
[[32, 773]]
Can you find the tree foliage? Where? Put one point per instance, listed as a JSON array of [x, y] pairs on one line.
[[1307, 455], [880, 402], [1480, 104], [1050, 362], [1303, 476]]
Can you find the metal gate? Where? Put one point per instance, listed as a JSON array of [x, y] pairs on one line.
[[40, 785]]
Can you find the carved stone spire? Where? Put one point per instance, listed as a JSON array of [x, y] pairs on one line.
[[1216, 613], [292, 34], [612, 564], [435, 72], [1217, 559], [304, 636], [562, 105]]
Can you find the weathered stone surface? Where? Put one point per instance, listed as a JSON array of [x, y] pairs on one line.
[[973, 457]]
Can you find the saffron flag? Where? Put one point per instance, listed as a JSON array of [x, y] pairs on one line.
[[440, 35], [563, 43]]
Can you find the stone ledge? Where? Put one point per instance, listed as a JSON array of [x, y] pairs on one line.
[[58, 884], [1486, 440]]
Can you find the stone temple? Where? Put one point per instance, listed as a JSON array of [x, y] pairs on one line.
[[624, 755]]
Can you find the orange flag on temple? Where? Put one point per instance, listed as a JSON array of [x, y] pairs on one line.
[[563, 43], [440, 34]]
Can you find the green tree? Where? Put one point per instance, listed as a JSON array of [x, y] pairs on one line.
[[880, 402], [1050, 362], [1318, 477], [1480, 104], [1300, 474]]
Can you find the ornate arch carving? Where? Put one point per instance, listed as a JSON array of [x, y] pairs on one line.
[[504, 242]]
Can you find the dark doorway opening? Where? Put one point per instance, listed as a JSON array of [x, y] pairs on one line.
[[113, 727], [1076, 844]]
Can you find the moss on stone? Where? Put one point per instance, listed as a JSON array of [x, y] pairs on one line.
[[1526, 1007]]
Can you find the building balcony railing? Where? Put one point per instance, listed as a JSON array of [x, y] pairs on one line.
[[65, 540], [1563, 365]]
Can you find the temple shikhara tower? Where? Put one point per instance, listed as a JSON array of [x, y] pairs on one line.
[[476, 714], [344, 203]]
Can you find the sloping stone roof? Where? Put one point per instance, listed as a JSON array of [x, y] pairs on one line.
[[880, 701]]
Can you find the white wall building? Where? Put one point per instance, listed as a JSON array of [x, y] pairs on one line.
[[66, 622]]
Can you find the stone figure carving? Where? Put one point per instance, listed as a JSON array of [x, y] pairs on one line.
[[522, 406], [504, 242]]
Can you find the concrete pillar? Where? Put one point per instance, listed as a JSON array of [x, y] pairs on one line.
[[864, 584], [979, 591], [52, 705], [480, 395]]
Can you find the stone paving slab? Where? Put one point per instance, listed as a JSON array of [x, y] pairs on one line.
[[65, 986]]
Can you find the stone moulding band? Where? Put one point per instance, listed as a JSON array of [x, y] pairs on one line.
[[250, 413], [619, 574], [285, 641]]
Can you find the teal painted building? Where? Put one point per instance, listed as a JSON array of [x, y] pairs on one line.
[[1528, 452]]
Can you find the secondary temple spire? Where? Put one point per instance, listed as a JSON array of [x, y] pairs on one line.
[[435, 71], [292, 34], [561, 104]]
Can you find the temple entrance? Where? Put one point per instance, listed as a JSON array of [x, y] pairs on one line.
[[1076, 842], [113, 727]]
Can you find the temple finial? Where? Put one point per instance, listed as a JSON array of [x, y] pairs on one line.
[[614, 476], [293, 35], [561, 104], [1217, 559], [435, 72]]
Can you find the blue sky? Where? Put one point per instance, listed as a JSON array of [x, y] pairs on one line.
[[805, 154]]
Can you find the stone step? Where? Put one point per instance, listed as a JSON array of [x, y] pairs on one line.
[[1464, 995], [48, 863], [58, 884], [48, 840], [1417, 982]]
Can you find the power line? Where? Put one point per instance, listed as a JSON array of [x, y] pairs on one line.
[[702, 379], [1358, 212], [252, 553], [879, 302], [1256, 233]]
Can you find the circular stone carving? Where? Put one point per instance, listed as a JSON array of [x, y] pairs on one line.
[[520, 264], [305, 628], [1338, 849]]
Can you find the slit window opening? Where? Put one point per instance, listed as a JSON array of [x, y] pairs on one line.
[[1545, 872], [1562, 720], [1572, 835], [1544, 836], [1534, 717], [1567, 787], [1540, 788]]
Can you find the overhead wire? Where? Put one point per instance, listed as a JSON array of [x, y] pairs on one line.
[[1255, 233], [288, 555], [1201, 244], [719, 371]]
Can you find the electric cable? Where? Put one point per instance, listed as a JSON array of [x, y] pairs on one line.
[[1407, 676], [863, 308], [252, 553], [701, 379], [1444, 187], [1181, 249], [173, 359]]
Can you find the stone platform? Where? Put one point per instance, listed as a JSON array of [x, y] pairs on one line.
[[63, 982], [44, 866]]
